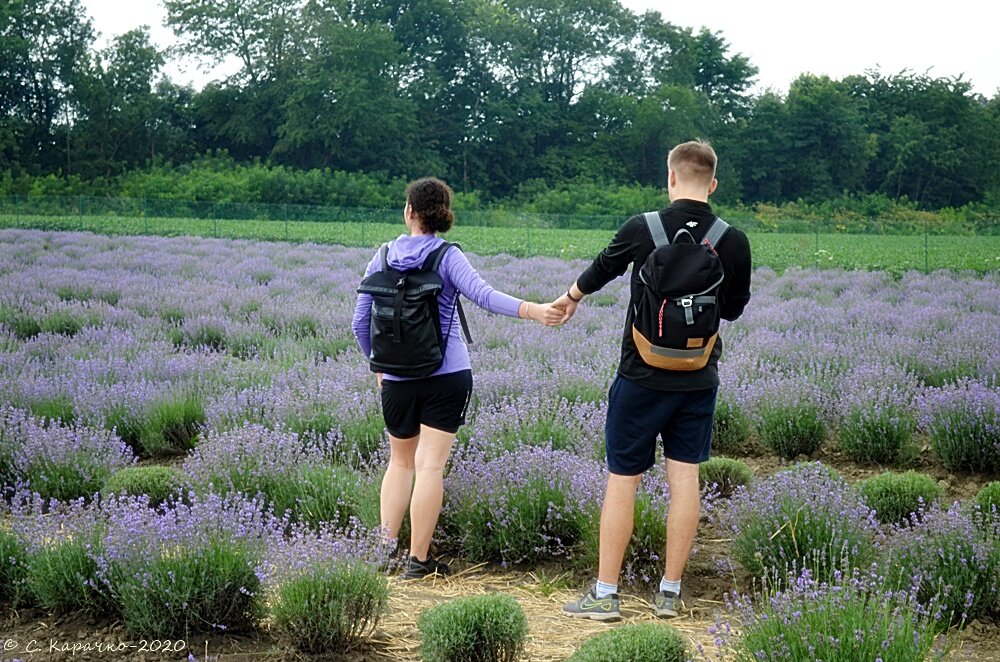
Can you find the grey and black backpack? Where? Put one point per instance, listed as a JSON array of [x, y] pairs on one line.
[[406, 334], [677, 317]]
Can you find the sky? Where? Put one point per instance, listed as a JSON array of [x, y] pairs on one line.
[[782, 38]]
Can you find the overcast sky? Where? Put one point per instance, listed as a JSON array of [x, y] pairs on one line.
[[783, 38]]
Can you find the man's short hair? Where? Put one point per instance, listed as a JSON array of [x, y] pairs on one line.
[[693, 161]]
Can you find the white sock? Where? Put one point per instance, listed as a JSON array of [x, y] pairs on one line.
[[602, 590], [673, 587]]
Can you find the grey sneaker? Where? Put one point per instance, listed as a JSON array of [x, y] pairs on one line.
[[667, 604], [594, 608]]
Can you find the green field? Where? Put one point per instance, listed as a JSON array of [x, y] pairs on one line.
[[895, 253]]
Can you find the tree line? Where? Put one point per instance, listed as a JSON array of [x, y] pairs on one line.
[[504, 99]]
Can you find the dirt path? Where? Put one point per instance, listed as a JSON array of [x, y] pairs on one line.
[[552, 636]]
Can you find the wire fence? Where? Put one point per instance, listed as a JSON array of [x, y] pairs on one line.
[[920, 242]]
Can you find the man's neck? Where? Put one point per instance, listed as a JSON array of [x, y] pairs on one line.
[[688, 194]]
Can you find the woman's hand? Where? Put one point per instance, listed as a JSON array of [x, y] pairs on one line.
[[543, 313]]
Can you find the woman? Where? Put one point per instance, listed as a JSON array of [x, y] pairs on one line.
[[423, 415]]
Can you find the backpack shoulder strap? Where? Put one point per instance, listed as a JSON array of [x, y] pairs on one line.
[[656, 230], [716, 231], [433, 260], [384, 253], [431, 264]]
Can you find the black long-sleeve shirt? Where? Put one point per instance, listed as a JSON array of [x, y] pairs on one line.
[[632, 245]]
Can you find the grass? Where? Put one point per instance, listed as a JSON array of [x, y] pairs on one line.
[[893, 253]]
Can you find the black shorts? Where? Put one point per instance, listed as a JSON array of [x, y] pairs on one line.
[[637, 415], [438, 402]]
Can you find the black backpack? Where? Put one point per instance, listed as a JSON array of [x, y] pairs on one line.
[[406, 335], [677, 317]]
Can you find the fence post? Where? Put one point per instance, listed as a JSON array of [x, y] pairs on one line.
[[17, 212], [816, 230], [527, 234], [286, 221], [363, 229], [80, 213], [927, 262], [145, 217], [215, 219]]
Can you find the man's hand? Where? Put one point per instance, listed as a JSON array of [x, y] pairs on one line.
[[378, 376], [567, 306], [545, 313]]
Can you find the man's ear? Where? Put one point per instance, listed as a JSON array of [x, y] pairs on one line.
[[671, 178], [713, 186]]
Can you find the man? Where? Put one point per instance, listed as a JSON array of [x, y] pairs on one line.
[[646, 401]]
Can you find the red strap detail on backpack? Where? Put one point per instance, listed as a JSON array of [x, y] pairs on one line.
[[662, 306], [710, 247]]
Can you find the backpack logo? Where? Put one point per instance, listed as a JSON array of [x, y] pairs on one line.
[[692, 224], [405, 328], [677, 317]]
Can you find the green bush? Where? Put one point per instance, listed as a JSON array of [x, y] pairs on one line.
[[13, 568], [171, 427], [64, 578], [62, 322], [21, 324], [790, 431], [731, 429], [330, 608], [894, 496], [881, 435], [158, 483], [636, 641], [988, 499], [725, 473], [484, 628], [191, 591]]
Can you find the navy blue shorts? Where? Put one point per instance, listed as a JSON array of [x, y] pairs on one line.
[[636, 415]]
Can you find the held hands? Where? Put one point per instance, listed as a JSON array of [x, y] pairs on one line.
[[566, 306], [543, 313]]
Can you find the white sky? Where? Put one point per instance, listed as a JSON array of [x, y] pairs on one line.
[[783, 38]]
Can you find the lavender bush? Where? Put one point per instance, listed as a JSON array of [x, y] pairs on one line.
[[950, 560], [801, 519], [60, 543], [55, 461], [877, 415], [964, 424], [731, 428], [13, 563], [331, 608], [988, 501], [523, 506], [851, 618], [288, 471], [789, 415]]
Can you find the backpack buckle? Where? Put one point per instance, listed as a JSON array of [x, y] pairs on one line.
[[686, 302]]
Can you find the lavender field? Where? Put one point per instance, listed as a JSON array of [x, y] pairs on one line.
[[212, 392]]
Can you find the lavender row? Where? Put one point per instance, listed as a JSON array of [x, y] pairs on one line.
[[162, 339]]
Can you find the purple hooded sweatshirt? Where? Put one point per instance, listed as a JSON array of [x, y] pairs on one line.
[[410, 252]]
